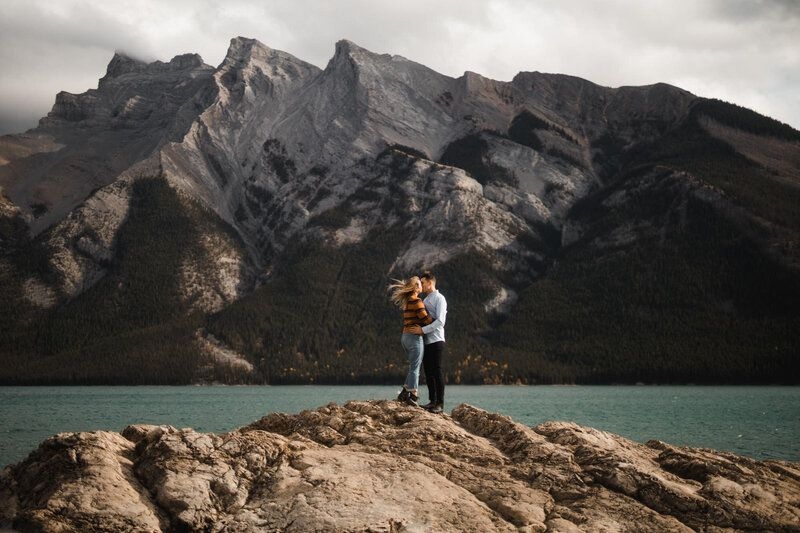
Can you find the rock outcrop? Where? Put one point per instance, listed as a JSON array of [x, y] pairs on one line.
[[382, 466]]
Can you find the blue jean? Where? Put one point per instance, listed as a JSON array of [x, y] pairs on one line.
[[413, 346]]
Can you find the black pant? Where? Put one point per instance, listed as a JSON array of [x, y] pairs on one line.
[[432, 363]]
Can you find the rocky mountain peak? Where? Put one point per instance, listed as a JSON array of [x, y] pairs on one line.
[[186, 62], [242, 48], [532, 80], [491, 181], [350, 56], [123, 64], [349, 48], [349, 52], [343, 59], [474, 82], [273, 63]]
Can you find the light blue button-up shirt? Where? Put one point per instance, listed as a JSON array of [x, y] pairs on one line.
[[436, 306]]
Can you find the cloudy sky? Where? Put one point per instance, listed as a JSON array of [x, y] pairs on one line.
[[743, 51]]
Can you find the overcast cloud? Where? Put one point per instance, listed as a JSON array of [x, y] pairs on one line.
[[743, 51]]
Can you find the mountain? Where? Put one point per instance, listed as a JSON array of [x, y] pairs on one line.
[[184, 223], [382, 466]]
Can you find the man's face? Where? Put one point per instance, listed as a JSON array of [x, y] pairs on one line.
[[426, 285]]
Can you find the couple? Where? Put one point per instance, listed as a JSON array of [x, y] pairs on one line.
[[423, 337]]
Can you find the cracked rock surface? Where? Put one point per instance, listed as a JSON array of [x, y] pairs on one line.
[[382, 466]]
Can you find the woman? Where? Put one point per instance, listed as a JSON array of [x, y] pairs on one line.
[[405, 294]]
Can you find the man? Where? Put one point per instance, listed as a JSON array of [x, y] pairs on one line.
[[436, 305]]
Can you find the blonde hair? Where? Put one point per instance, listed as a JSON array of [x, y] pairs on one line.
[[401, 290]]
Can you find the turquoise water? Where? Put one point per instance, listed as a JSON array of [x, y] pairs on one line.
[[760, 422]]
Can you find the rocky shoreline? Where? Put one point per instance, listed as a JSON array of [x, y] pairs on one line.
[[382, 466]]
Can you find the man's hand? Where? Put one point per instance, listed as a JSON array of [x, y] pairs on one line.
[[416, 330]]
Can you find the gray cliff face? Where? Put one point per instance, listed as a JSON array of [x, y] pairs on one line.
[[267, 141], [382, 466], [88, 140], [283, 142], [73, 181], [91, 148], [228, 157], [268, 153]]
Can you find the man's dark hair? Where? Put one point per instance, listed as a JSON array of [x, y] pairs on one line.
[[428, 275]]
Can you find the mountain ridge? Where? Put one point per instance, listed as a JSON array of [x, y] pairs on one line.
[[382, 166]]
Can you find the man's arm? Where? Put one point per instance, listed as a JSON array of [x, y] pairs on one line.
[[439, 312]]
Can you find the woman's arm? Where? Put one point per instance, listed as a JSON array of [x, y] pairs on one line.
[[422, 315]]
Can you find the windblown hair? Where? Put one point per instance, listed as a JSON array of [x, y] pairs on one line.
[[401, 290]]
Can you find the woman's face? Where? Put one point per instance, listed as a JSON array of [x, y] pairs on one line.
[[417, 288]]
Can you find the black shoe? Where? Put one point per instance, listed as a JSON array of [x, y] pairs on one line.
[[411, 399], [428, 406], [437, 409], [403, 396]]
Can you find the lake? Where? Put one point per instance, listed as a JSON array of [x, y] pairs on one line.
[[759, 422]]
